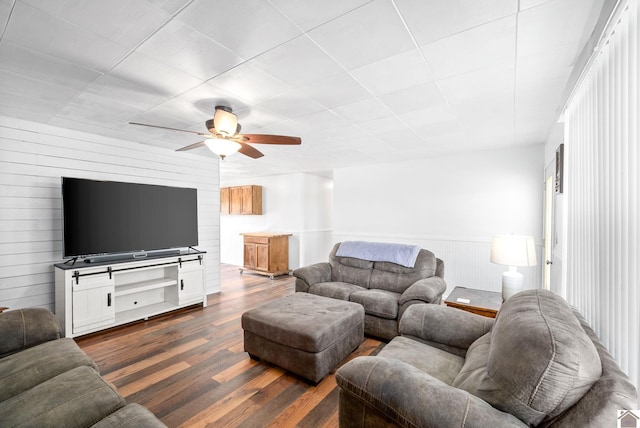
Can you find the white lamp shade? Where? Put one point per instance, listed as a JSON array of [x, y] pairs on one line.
[[225, 122], [222, 147], [513, 250]]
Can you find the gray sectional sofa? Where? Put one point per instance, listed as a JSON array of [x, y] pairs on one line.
[[538, 364], [385, 289], [46, 381]]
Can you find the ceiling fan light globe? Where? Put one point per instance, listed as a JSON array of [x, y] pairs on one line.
[[222, 147]]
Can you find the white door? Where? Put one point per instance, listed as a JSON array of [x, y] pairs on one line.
[[552, 223]]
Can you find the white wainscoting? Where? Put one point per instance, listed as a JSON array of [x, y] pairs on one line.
[[466, 261], [34, 157]]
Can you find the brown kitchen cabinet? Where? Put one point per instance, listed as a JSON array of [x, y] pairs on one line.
[[225, 207], [266, 253], [245, 200]]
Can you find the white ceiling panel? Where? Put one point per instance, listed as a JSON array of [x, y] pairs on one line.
[[34, 29], [131, 92], [292, 105], [5, 10], [367, 34], [433, 20], [126, 22], [308, 14], [383, 125], [169, 6], [163, 78], [12, 105], [360, 81], [336, 91], [563, 26], [36, 65], [188, 50], [426, 95], [480, 47], [298, 62], [496, 81], [396, 72], [250, 83], [37, 89], [368, 109], [248, 27], [429, 116]]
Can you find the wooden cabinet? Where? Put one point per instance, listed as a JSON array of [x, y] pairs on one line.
[[235, 200], [245, 200], [225, 207], [266, 253]]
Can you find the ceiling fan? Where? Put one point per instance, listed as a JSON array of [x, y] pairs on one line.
[[224, 136]]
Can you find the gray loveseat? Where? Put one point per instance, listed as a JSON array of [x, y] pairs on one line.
[[46, 381], [384, 289], [539, 364]]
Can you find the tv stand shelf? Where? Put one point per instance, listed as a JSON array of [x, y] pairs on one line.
[[92, 297], [138, 287]]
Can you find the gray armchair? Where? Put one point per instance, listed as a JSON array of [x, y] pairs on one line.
[[537, 364], [384, 289]]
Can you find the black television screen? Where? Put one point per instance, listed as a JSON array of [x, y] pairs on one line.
[[112, 217]]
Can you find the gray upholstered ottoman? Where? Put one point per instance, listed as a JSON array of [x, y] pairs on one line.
[[304, 333]]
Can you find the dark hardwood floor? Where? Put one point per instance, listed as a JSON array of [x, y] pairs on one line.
[[190, 370]]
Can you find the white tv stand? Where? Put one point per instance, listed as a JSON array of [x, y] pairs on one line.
[[95, 296]]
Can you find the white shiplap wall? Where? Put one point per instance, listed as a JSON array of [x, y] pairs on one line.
[[34, 157]]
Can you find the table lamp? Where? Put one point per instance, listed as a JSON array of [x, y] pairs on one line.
[[512, 251]]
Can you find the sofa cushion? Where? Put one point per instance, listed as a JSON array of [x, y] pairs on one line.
[[76, 398], [32, 366], [349, 269], [381, 303], [335, 290], [132, 415], [539, 360], [433, 361], [397, 278]]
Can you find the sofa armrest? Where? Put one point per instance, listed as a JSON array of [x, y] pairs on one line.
[[375, 388], [428, 290], [312, 274], [443, 326], [24, 328]]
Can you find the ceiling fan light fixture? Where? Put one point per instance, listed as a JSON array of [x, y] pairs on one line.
[[222, 147], [225, 122]]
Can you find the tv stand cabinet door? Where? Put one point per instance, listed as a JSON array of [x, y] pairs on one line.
[[191, 283], [93, 306]]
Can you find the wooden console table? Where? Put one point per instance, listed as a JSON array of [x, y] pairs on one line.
[[481, 302], [266, 253]]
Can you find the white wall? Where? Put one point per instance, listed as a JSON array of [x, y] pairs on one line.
[[300, 204], [451, 205], [34, 157]]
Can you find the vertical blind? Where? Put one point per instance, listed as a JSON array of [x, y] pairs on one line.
[[603, 216]]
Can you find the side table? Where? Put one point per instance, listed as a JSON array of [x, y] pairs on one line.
[[481, 302]]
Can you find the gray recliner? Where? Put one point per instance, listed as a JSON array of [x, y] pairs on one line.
[[48, 381], [384, 289], [538, 364]]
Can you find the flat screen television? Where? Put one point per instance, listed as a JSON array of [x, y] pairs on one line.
[[106, 217]]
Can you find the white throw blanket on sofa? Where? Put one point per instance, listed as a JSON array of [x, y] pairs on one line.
[[402, 254]]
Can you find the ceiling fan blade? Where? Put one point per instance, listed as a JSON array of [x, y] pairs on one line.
[[252, 152], [171, 129], [271, 139], [191, 146]]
